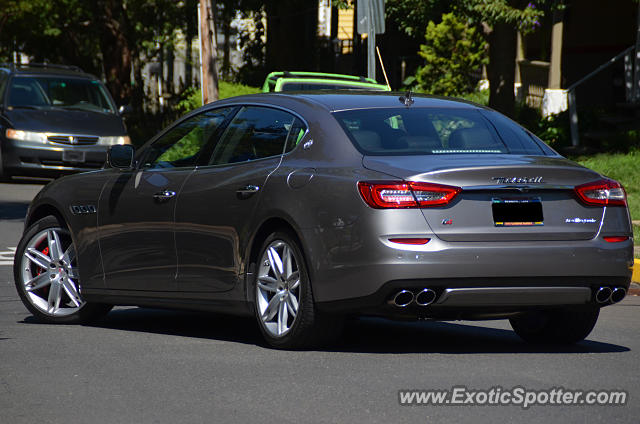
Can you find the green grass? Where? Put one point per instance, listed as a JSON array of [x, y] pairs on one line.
[[625, 168], [231, 89]]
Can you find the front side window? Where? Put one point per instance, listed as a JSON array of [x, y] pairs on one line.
[[59, 92], [431, 131], [255, 133], [181, 145]]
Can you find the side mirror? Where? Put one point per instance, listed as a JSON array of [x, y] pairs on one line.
[[120, 156], [125, 110]]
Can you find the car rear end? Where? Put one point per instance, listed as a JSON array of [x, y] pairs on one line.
[[472, 217]]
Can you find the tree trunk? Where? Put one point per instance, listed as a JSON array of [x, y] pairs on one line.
[[501, 69], [116, 53], [209, 48]]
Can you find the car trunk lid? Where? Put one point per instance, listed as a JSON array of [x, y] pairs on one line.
[[503, 198]]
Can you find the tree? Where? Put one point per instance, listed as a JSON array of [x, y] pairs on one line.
[[501, 21], [453, 51], [413, 16]]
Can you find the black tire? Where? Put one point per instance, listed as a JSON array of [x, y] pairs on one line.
[[556, 326], [34, 300], [310, 328]]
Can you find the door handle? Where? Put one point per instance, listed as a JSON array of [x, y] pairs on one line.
[[164, 196], [247, 191]]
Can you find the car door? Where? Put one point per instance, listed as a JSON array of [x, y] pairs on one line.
[[215, 212], [136, 214]]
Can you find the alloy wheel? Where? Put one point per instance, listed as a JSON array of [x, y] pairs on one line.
[[278, 288], [49, 273]]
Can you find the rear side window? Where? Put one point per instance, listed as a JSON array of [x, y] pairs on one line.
[[432, 131], [256, 133]]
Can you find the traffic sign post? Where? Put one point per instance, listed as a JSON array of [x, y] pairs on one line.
[[371, 22]]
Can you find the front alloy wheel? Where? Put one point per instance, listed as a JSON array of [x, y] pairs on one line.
[[46, 275]]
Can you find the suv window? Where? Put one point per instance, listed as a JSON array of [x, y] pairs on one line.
[[254, 133], [181, 145], [63, 92]]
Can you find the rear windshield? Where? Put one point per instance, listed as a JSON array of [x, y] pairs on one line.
[[59, 92], [433, 131]]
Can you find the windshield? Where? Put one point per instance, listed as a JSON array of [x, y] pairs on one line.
[[68, 93], [433, 131]]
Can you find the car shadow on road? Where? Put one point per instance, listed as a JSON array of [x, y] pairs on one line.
[[362, 335], [376, 335]]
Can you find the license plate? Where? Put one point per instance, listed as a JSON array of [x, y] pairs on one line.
[[517, 212], [72, 156]]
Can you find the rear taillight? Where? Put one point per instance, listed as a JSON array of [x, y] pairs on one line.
[[602, 193], [382, 195]]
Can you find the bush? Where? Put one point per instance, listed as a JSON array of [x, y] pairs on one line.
[[453, 51], [191, 98]]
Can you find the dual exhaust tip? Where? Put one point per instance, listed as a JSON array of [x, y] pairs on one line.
[[610, 295], [426, 297], [405, 298]]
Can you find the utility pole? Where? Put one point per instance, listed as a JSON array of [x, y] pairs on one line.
[[370, 20], [208, 51]]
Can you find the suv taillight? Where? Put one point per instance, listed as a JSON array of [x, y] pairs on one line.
[[602, 193], [383, 195]]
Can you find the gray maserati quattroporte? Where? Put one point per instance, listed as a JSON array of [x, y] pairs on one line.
[[301, 209]]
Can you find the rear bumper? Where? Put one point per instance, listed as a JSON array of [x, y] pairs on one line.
[[361, 271], [479, 298], [374, 265], [514, 296], [25, 158]]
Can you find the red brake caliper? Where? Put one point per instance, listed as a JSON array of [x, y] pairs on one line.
[[41, 270]]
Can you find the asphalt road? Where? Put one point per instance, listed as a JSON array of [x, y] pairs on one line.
[[153, 366]]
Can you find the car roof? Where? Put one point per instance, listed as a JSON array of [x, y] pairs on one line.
[[339, 100], [42, 69]]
